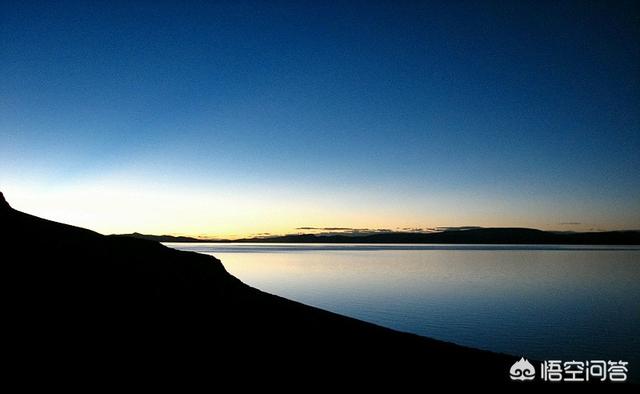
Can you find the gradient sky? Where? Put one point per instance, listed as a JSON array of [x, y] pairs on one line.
[[238, 118]]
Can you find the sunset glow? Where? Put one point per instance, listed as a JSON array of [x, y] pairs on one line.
[[378, 117]]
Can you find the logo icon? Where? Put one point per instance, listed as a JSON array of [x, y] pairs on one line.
[[522, 370]]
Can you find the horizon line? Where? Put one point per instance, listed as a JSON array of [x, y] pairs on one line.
[[362, 234]]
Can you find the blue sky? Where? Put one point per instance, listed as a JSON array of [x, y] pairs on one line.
[[235, 118]]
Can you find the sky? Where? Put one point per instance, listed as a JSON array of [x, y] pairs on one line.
[[231, 119]]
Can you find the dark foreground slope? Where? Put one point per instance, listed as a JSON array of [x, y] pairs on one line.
[[87, 305]]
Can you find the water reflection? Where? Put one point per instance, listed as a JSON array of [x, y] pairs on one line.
[[542, 302]]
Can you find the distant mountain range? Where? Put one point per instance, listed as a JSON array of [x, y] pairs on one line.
[[468, 236], [165, 238]]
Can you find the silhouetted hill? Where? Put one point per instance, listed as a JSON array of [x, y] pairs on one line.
[[163, 238], [468, 236], [86, 306], [473, 236]]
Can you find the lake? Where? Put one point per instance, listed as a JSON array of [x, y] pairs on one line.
[[543, 302]]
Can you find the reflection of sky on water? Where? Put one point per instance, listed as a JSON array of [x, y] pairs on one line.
[[568, 303]]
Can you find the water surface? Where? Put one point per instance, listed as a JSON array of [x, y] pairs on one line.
[[545, 302]]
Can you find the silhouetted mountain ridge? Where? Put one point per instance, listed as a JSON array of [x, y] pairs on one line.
[[164, 238], [498, 235]]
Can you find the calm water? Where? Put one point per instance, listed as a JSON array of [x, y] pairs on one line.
[[544, 302]]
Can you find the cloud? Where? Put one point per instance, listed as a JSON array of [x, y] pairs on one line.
[[359, 231], [367, 231], [460, 228], [326, 228], [417, 229]]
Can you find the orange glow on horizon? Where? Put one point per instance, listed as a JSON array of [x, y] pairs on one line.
[[114, 207]]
